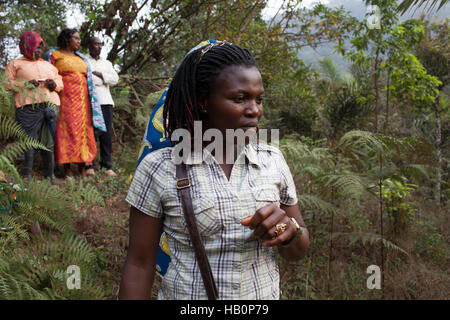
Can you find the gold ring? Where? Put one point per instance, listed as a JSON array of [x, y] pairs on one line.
[[280, 228]]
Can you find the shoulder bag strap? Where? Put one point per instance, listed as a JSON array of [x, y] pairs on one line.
[[183, 185]]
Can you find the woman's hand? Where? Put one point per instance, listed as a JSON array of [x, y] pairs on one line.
[[34, 83], [264, 223], [98, 74], [50, 84]]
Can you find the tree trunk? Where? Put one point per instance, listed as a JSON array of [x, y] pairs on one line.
[[437, 187], [386, 121], [375, 84], [206, 28], [380, 198]]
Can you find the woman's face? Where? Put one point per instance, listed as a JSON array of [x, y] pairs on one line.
[[75, 41], [235, 100], [39, 51]]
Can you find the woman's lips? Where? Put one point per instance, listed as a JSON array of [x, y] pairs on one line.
[[245, 128]]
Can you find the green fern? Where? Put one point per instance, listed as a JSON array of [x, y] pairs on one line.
[[345, 184], [83, 193], [366, 238], [9, 129], [354, 141], [40, 269], [10, 171], [13, 289], [314, 203]]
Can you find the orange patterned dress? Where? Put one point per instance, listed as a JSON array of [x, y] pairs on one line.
[[75, 141]]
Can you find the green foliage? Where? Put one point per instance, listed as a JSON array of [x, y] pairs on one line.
[[430, 243], [10, 129], [395, 192], [83, 193], [38, 202], [6, 99], [39, 271], [344, 111], [405, 5], [46, 17], [369, 239]]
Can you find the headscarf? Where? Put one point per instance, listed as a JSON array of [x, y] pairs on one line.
[[29, 43]]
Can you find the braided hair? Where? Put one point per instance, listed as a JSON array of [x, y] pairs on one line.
[[196, 75]]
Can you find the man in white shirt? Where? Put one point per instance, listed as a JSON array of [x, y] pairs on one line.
[[104, 76]]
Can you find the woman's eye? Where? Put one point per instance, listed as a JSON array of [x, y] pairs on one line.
[[238, 99], [259, 100]]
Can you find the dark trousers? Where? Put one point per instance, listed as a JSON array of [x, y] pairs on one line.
[[105, 138], [32, 118]]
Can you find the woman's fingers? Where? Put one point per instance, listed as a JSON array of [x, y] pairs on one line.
[[282, 238], [246, 221], [264, 223], [266, 229], [260, 214]]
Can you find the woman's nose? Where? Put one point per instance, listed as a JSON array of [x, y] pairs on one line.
[[253, 108]]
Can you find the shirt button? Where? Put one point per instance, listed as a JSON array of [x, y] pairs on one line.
[[235, 286]]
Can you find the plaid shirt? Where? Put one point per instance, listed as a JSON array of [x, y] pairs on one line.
[[242, 267]]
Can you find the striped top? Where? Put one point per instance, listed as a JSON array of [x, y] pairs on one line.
[[242, 267]]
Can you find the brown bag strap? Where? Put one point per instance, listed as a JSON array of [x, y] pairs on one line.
[[183, 184]]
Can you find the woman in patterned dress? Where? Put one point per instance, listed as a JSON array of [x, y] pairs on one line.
[[75, 141]]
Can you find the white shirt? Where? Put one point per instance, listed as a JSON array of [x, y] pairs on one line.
[[110, 78]]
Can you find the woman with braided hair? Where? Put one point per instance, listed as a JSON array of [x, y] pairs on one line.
[[243, 209]]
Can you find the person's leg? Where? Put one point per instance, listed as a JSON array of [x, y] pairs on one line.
[[105, 138], [49, 160], [30, 119], [28, 164], [49, 132], [82, 169], [68, 170]]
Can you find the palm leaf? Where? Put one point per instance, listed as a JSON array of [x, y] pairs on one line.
[[407, 4]]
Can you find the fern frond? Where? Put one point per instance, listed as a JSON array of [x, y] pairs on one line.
[[11, 231], [13, 289], [32, 213], [368, 239], [415, 171], [11, 129], [84, 193], [347, 184], [10, 170], [311, 202], [355, 140]]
